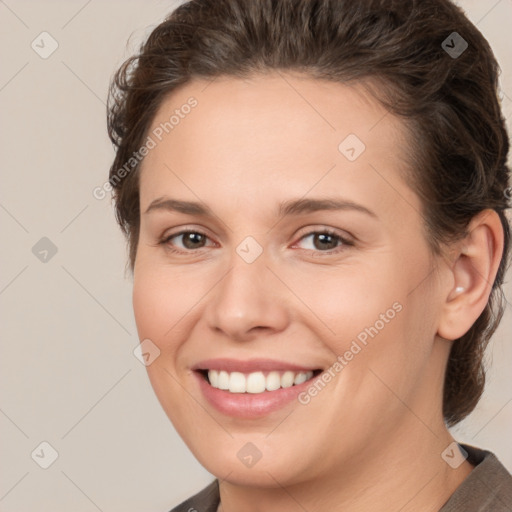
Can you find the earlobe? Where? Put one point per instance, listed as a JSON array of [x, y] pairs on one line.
[[473, 273]]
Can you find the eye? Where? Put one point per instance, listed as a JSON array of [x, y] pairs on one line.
[[326, 241], [321, 241], [190, 240]]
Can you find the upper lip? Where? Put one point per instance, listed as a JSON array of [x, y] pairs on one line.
[[249, 366]]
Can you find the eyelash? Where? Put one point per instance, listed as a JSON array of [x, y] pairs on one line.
[[344, 242]]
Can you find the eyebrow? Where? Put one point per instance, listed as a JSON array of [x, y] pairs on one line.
[[286, 208]]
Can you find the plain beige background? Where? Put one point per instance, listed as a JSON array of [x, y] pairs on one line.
[[68, 373]]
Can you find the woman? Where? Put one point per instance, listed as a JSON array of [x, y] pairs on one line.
[[314, 196]]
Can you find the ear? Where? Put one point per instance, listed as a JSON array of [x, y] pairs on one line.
[[477, 259]]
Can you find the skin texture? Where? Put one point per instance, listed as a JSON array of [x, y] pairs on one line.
[[373, 437]]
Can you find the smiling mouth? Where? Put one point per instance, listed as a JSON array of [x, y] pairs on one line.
[[256, 382]]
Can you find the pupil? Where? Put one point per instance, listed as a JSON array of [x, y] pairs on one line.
[[324, 238], [191, 239]]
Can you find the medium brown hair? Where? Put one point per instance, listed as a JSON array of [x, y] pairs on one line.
[[403, 51]]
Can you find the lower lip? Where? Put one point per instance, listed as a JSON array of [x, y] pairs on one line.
[[250, 405]]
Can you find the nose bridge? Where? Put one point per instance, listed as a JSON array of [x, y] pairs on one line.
[[247, 296]]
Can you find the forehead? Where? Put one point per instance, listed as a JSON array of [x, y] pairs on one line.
[[272, 133]]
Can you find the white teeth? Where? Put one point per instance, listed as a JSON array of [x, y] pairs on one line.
[[213, 375], [255, 382], [273, 381], [300, 378], [287, 379], [237, 382], [223, 382]]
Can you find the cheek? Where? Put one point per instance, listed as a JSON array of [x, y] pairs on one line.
[[162, 309], [150, 306], [164, 302], [369, 317], [347, 301]]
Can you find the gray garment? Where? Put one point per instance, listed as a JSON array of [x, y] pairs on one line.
[[488, 488]]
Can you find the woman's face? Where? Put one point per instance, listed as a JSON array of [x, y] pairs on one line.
[[306, 253]]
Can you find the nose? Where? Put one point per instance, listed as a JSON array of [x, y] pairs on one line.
[[249, 301]]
